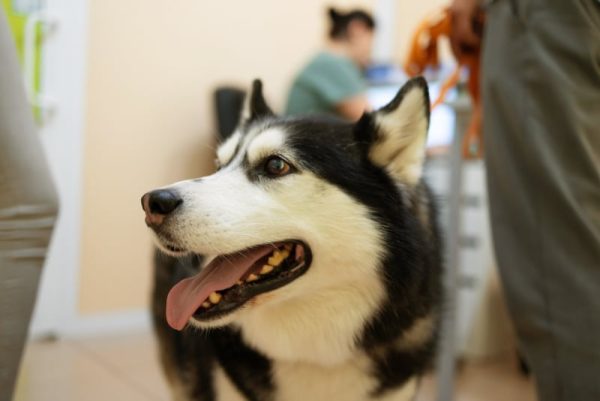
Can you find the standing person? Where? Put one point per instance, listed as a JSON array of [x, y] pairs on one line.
[[28, 208], [541, 99], [332, 82]]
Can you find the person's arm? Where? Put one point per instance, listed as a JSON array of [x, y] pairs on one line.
[[353, 108], [340, 85], [465, 34]]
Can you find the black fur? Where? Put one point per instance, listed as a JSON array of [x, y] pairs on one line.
[[419, 82], [248, 369], [258, 105], [185, 354], [412, 268], [338, 152]]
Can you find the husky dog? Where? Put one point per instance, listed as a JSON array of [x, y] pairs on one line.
[[322, 273]]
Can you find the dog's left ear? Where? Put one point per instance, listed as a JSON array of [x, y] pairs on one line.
[[396, 134], [255, 105]]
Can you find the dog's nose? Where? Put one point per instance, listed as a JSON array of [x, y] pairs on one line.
[[158, 204]]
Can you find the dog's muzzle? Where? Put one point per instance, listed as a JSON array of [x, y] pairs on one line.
[[159, 204]]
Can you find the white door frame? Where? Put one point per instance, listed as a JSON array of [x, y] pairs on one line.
[[384, 44], [63, 72]]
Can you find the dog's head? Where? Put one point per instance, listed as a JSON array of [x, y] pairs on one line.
[[297, 212]]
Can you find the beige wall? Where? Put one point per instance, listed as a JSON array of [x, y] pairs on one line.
[[409, 14], [152, 66]]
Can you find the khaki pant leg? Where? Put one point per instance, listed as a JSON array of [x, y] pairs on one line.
[[541, 94], [28, 207]]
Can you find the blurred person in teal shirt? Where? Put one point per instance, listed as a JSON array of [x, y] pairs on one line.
[[332, 82]]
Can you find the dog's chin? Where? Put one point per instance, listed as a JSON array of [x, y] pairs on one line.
[[221, 321], [170, 248]]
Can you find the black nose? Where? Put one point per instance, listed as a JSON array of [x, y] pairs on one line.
[[157, 204]]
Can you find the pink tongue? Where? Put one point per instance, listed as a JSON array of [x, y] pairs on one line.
[[223, 272]]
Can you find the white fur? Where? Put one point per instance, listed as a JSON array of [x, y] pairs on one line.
[[349, 381], [267, 143], [225, 389], [401, 147], [308, 327], [227, 150], [420, 332], [317, 317], [298, 381]]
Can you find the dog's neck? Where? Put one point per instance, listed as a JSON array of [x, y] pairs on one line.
[[323, 328]]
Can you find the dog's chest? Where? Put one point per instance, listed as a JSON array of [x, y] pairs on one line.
[[303, 381]]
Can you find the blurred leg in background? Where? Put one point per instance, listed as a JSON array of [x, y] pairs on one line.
[[541, 94], [28, 209]]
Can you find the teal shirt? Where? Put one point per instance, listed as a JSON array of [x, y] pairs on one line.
[[324, 82]]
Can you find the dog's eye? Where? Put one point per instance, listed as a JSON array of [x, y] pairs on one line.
[[276, 166]]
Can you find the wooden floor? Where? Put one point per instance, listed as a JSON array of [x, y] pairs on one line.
[[125, 367], [485, 380]]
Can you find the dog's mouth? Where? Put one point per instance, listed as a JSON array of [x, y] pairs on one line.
[[229, 281], [174, 249], [169, 246]]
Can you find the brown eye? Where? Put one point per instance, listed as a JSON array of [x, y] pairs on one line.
[[276, 166]]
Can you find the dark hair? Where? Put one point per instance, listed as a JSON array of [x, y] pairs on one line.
[[340, 21]]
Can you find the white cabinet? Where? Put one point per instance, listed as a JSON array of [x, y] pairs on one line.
[[476, 259]]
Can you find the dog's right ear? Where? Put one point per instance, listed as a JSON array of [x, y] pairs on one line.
[[255, 105]]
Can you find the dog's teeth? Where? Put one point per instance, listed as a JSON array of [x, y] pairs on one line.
[[252, 277], [206, 304], [278, 257], [266, 269], [215, 297]]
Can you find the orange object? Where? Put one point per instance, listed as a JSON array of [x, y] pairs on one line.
[[423, 53]]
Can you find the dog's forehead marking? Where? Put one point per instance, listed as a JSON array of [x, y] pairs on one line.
[[226, 151], [264, 143]]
